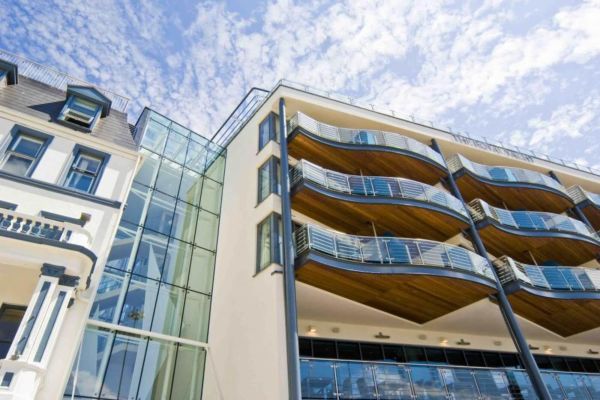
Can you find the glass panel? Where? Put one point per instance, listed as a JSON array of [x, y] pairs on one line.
[[124, 368], [573, 387], [474, 358], [493, 385], [592, 383], [355, 381], [176, 147], [27, 146], [520, 386], [393, 382], [196, 157], [460, 383], [202, 270], [17, 165], [455, 357], [324, 349], [139, 303], [348, 351], [206, 231], [436, 356], [168, 310], [305, 346], [95, 345], [177, 263], [79, 181], [155, 382], [58, 304], [394, 353], [120, 252], [427, 383], [169, 178], [371, 352], [211, 196], [160, 213], [317, 380], [150, 255], [191, 186], [87, 163], [110, 290], [189, 373], [136, 202], [147, 172], [195, 316], [184, 222], [155, 137], [553, 386], [415, 354], [216, 169]]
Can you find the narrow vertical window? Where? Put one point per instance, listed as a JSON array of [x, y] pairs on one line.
[[85, 171], [269, 246], [22, 154], [50, 326], [269, 179], [268, 130]]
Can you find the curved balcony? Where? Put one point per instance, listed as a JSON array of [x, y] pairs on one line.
[[565, 300], [395, 205], [588, 203], [543, 236], [418, 280], [356, 151], [515, 188]]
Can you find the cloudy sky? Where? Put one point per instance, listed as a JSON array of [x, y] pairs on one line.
[[525, 72]]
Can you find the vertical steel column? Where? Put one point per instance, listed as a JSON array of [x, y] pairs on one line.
[[505, 308], [289, 276], [576, 210]]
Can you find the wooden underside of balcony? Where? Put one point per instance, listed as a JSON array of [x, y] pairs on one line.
[[592, 213], [513, 196], [397, 218], [415, 297], [366, 160], [564, 316], [564, 248]]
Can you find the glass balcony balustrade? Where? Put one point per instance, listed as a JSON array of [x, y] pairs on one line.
[[503, 174], [531, 220], [389, 250], [364, 137], [549, 277], [328, 379], [580, 195], [375, 186]]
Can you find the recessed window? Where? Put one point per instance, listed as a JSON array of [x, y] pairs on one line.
[[85, 171], [269, 179], [80, 112], [269, 242], [3, 74], [23, 154], [268, 130]]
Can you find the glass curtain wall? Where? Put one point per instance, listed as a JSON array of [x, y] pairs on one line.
[[159, 273]]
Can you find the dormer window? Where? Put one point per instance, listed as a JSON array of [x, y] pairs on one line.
[[83, 108]]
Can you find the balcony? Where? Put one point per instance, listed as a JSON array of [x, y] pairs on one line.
[[333, 379], [565, 300], [524, 235], [35, 240], [417, 280], [514, 188], [588, 202], [396, 205], [356, 151]]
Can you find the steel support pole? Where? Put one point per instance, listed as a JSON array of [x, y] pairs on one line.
[[503, 303], [289, 276]]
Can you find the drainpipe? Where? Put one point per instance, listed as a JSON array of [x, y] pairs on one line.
[[576, 210], [289, 276], [505, 308]]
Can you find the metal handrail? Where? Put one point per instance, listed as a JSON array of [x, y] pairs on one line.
[[579, 195], [530, 220], [374, 186], [363, 137], [389, 250], [503, 174], [548, 277], [57, 79]]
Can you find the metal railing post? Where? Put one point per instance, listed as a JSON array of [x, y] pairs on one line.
[[503, 303], [289, 276]]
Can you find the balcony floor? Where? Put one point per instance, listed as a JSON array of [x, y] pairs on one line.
[[354, 214], [418, 294], [514, 196], [557, 312], [592, 213], [564, 248], [363, 159]]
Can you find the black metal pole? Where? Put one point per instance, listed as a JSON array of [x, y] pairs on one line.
[[503, 303], [289, 277]]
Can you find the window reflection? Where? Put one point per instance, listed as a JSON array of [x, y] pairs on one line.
[[109, 292], [139, 303], [155, 382], [202, 270], [189, 371], [120, 252], [177, 263], [160, 213], [91, 369], [206, 230], [169, 177], [195, 317], [184, 222], [168, 310], [124, 368], [150, 255]]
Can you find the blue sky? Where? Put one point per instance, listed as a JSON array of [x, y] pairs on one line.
[[524, 72]]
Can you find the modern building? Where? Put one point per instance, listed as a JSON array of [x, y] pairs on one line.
[[67, 161], [312, 248]]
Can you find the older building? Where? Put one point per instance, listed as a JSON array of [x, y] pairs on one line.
[[67, 160]]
